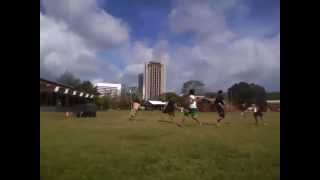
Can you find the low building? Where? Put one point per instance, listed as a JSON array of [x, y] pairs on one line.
[[155, 105], [108, 89], [273, 105], [133, 90], [206, 105], [55, 95]]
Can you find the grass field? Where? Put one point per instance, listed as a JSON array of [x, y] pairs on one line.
[[110, 147]]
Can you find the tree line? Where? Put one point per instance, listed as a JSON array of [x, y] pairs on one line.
[[237, 94]]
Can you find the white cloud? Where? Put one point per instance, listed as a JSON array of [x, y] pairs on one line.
[[73, 32], [137, 54], [61, 49], [219, 56], [98, 28]]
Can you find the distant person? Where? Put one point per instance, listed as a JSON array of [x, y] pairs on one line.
[[134, 109], [257, 113], [68, 114], [243, 109], [190, 108], [219, 104]]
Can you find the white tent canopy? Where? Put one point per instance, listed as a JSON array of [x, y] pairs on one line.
[[157, 102], [273, 101]]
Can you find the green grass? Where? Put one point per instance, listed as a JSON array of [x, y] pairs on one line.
[[110, 147]]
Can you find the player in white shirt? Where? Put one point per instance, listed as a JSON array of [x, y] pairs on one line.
[[191, 108]]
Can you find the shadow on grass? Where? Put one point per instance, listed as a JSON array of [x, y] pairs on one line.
[[166, 121], [137, 120]]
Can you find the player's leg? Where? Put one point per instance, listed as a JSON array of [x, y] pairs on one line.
[[171, 116], [132, 114], [263, 119], [185, 115], [221, 116], [197, 120], [194, 116], [244, 114], [255, 118], [182, 121]]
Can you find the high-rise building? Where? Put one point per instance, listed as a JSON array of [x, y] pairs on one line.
[[133, 90], [154, 80], [140, 84]]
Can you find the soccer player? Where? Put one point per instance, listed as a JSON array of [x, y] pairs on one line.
[[134, 109], [219, 104], [243, 109], [170, 109], [191, 108], [257, 113]]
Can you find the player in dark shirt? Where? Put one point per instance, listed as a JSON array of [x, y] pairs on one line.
[[170, 110], [219, 104], [257, 113]]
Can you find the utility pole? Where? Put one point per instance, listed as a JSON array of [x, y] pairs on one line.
[[131, 103]]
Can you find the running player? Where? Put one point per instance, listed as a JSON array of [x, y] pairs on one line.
[[170, 109], [219, 104], [191, 108], [257, 113], [134, 109], [243, 109]]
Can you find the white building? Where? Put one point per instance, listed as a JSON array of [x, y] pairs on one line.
[[108, 89]]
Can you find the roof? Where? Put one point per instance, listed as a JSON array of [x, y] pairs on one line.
[[56, 83], [104, 84], [154, 62], [157, 102], [64, 87], [273, 101]]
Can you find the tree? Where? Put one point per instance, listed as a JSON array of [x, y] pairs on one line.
[[103, 102], [124, 102], [69, 79], [210, 94], [198, 86], [171, 95], [115, 102], [273, 95], [243, 92], [88, 87]]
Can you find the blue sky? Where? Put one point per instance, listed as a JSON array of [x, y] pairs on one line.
[[121, 35], [149, 19]]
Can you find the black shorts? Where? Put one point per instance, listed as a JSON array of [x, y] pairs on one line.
[[258, 114]]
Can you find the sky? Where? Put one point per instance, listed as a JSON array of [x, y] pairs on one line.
[[219, 42]]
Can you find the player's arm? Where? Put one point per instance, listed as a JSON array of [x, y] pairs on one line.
[[176, 106], [221, 104]]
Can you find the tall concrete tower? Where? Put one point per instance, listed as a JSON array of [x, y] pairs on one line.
[[154, 80]]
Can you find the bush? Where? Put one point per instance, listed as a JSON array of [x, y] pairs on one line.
[[103, 103]]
